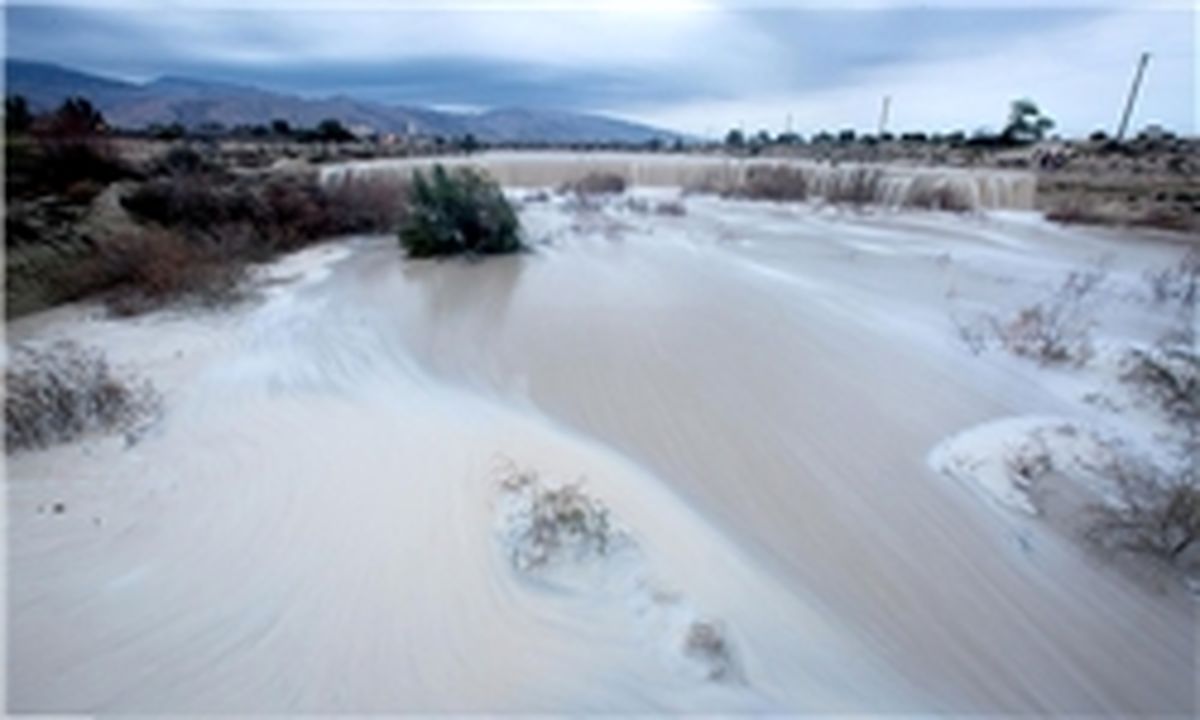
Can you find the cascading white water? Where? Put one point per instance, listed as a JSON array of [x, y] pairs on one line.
[[894, 185]]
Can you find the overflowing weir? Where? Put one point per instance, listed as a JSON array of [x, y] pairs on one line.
[[890, 185]]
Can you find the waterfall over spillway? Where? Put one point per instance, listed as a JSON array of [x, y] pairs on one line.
[[894, 185]]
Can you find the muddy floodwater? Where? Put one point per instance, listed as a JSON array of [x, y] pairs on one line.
[[328, 516]]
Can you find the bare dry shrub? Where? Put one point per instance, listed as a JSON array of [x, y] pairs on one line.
[[286, 211], [1157, 512], [1179, 283], [65, 391], [1056, 330], [1169, 371], [552, 522], [149, 268], [596, 183], [1169, 374]]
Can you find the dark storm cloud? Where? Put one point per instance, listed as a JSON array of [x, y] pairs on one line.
[[728, 60]]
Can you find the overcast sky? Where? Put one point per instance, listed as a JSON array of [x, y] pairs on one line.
[[691, 65]]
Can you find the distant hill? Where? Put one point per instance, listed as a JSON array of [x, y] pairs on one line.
[[193, 102]]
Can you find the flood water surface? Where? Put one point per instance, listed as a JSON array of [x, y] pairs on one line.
[[330, 516]]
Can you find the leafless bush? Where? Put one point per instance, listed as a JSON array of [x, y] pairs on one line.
[[549, 524], [1169, 374], [146, 269], [65, 391], [286, 211], [1054, 331], [1157, 512], [1179, 283], [367, 203], [596, 183]]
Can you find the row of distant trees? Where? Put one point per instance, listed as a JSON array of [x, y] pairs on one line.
[[1026, 124], [328, 130]]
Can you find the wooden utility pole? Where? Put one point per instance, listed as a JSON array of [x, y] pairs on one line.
[[883, 114], [1133, 91]]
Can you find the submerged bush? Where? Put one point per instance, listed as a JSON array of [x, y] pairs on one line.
[[458, 212], [62, 392], [1169, 374], [545, 525], [1156, 512]]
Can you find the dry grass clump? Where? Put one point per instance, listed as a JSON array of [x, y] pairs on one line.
[[552, 524], [596, 183], [60, 393]]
